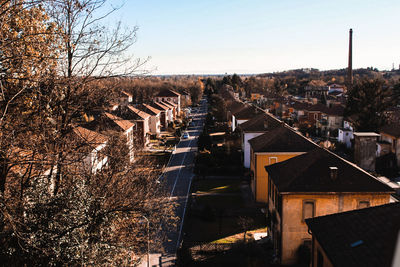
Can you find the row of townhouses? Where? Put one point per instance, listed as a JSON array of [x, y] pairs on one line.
[[132, 124]]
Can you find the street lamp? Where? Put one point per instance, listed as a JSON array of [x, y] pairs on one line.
[[148, 240]]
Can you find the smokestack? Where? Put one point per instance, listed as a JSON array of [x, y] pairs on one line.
[[350, 67]]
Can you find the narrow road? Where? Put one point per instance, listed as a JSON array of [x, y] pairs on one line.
[[178, 177]]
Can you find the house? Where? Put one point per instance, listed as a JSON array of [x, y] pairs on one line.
[[345, 134], [364, 237], [391, 133], [166, 113], [232, 107], [316, 183], [275, 145], [169, 96], [253, 128], [125, 98], [140, 118], [315, 91], [109, 125], [94, 143], [243, 115], [155, 117], [171, 113], [174, 107]]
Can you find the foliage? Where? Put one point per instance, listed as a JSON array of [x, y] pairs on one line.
[[367, 101], [218, 107], [54, 210]]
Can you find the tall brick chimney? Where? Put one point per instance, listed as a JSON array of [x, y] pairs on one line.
[[350, 67]]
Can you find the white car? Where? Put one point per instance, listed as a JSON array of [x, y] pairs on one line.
[[185, 135]]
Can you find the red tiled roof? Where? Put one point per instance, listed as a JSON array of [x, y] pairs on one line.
[[123, 124], [160, 106], [90, 137], [142, 115], [149, 109]]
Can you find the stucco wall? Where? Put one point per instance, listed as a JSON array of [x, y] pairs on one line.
[[314, 255], [246, 147], [261, 175], [294, 229]]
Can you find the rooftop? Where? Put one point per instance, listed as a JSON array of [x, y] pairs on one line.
[[281, 139], [260, 123], [168, 93], [247, 113], [149, 109], [365, 237], [90, 137], [311, 172], [366, 134]]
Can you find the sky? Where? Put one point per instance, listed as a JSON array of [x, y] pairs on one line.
[[259, 36]]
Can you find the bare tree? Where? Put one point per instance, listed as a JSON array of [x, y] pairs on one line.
[[55, 210]]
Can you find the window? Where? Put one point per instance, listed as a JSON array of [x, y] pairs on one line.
[[363, 204], [308, 209], [273, 160]]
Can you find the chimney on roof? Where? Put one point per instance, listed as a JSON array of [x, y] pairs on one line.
[[333, 173], [350, 66]]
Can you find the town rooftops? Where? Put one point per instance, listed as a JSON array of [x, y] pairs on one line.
[[131, 113], [235, 106], [247, 113], [260, 123], [322, 171], [391, 129], [364, 237], [90, 137], [168, 93], [149, 109], [159, 106], [107, 122], [168, 105], [281, 139], [123, 124]]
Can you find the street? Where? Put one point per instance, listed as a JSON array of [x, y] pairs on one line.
[[178, 177]]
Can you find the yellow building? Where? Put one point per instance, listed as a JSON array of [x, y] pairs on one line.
[[314, 184], [275, 145]]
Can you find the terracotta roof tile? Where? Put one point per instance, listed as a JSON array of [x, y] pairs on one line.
[[90, 137], [149, 109], [123, 124]]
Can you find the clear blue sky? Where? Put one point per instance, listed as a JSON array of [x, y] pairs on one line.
[[256, 36]]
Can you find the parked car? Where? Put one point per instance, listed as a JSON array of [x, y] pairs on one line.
[[185, 135]]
